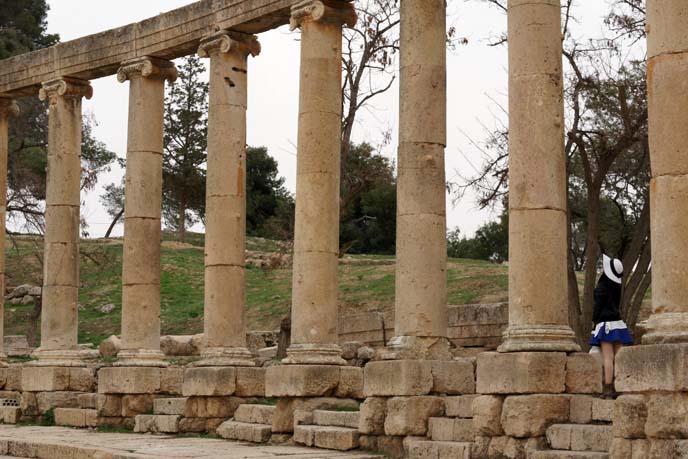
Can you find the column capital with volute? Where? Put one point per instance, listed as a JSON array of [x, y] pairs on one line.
[[228, 41], [147, 67], [66, 87], [8, 107], [332, 11]]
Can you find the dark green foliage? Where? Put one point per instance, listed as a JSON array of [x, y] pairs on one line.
[[491, 242], [23, 27]]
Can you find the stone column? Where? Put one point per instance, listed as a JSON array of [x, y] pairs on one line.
[[225, 236], [314, 338], [59, 316], [8, 109], [421, 269], [538, 317], [668, 120], [143, 208]]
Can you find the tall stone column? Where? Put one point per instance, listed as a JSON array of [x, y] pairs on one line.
[[538, 317], [225, 237], [143, 208], [314, 338], [59, 316], [668, 120], [8, 109], [421, 269]]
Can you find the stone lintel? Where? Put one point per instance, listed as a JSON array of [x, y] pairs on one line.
[[337, 12], [229, 42], [147, 67], [647, 368], [521, 373], [66, 87], [391, 378], [209, 381], [129, 380], [301, 380]]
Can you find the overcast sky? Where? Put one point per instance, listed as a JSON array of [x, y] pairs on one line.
[[477, 85]]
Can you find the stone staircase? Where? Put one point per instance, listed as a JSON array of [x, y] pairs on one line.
[[589, 438], [337, 430], [449, 436], [252, 423]]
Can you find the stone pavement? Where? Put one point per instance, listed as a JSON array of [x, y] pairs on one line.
[[59, 443]]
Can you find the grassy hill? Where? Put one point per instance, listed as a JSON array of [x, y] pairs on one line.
[[361, 287]]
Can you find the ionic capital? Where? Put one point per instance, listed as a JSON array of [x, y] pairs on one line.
[[332, 11], [147, 67], [66, 87], [8, 107], [229, 42]]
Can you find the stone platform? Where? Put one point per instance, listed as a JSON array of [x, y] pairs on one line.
[[62, 443]]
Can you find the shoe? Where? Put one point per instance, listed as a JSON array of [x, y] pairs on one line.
[[609, 393]]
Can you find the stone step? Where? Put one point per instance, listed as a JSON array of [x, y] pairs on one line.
[[580, 437], [561, 454], [336, 418], [327, 437], [255, 414], [245, 431], [424, 449], [449, 429], [156, 423]]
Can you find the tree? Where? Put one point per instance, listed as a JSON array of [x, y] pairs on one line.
[[490, 243], [113, 201], [23, 27], [186, 134]]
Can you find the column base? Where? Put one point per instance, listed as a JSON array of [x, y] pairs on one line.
[[417, 348], [314, 354], [667, 328], [226, 357], [140, 358], [63, 357], [539, 338]]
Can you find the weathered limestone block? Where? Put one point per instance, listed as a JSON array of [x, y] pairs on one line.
[[10, 414], [255, 414], [397, 378], [668, 449], [447, 429], [630, 415], [283, 419], [209, 381], [581, 409], [212, 407], [580, 437], [87, 401], [129, 380], [169, 406], [667, 416], [109, 405], [3, 377], [301, 380], [303, 417], [514, 448], [28, 404], [48, 400], [195, 425], [157, 423], [459, 406], [171, 380], [372, 415], [350, 383], [662, 367], [583, 374], [487, 415], [133, 405], [14, 378], [179, 345], [453, 377], [109, 347], [603, 410], [409, 415], [521, 373], [336, 438], [241, 431], [76, 417], [82, 379], [530, 415], [421, 449], [40, 379], [336, 418], [250, 382]]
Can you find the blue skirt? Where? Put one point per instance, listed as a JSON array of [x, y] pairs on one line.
[[611, 332]]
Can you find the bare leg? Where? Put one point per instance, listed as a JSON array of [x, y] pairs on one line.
[[608, 356]]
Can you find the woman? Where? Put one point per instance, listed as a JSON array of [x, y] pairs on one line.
[[610, 333]]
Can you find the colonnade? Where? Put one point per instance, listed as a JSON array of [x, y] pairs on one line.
[[538, 318]]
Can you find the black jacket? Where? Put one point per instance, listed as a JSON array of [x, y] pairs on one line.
[[607, 300]]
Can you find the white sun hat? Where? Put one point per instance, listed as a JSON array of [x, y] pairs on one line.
[[613, 268]]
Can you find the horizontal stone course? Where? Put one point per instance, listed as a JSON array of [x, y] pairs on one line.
[[76, 417], [336, 438], [243, 431], [521, 373], [661, 367], [129, 380], [153, 423], [348, 419], [209, 381], [255, 414], [577, 437]]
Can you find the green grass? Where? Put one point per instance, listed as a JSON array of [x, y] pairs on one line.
[[362, 288]]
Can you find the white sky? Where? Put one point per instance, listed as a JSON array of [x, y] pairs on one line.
[[477, 82]]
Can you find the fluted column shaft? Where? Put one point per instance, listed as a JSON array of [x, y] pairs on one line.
[[225, 237], [538, 317], [667, 70], [314, 336], [8, 109], [421, 248], [143, 209], [59, 316]]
